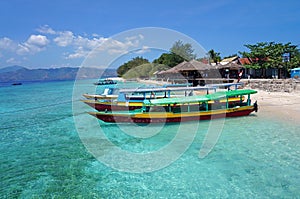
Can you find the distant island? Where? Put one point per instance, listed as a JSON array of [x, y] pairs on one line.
[[19, 74]]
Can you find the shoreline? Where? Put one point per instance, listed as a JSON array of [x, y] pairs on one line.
[[281, 105]]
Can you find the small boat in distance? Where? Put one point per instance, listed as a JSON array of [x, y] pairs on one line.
[[166, 110], [105, 81], [16, 84]]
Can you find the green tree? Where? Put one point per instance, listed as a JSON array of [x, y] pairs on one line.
[[144, 70], [137, 61], [169, 59], [270, 55], [214, 56], [183, 50]]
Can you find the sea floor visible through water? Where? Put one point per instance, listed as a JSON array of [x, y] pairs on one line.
[[43, 155]]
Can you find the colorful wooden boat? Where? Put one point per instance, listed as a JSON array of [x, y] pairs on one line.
[[111, 93], [119, 106], [131, 99], [180, 110]]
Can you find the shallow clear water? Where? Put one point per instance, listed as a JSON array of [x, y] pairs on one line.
[[42, 154]]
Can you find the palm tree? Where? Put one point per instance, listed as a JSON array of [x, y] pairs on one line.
[[214, 56]]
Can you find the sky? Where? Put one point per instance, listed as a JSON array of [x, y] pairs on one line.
[[65, 33]]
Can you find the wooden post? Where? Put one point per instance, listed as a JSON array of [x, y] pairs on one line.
[[248, 100], [226, 102]]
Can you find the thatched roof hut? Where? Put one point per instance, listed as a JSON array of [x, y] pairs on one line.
[[192, 65], [231, 66]]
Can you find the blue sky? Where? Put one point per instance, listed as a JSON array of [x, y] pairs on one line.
[[58, 33]]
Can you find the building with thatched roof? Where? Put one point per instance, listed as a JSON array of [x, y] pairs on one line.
[[192, 71], [230, 70]]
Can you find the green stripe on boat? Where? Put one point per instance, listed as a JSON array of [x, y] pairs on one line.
[[199, 98]]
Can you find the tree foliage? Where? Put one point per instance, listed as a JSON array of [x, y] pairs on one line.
[[137, 61], [183, 50], [179, 52], [169, 59], [144, 70], [270, 55], [214, 56]]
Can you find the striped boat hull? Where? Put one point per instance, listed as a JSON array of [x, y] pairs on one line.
[[167, 117]]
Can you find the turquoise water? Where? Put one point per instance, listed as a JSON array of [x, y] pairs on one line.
[[43, 156]]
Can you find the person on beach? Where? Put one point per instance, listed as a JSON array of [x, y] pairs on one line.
[[240, 76]]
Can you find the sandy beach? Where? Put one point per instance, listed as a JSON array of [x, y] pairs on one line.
[[283, 105]]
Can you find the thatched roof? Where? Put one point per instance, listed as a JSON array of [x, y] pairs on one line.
[[230, 66], [192, 65], [195, 65]]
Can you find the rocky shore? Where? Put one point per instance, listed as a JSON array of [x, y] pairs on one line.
[[273, 85]]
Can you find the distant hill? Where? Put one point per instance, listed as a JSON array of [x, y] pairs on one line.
[[11, 69], [19, 74]]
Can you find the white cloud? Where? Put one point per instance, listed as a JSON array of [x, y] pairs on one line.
[[81, 46], [143, 50], [117, 47], [12, 61], [38, 40], [64, 39], [34, 44], [8, 44], [87, 43], [46, 30], [79, 53]]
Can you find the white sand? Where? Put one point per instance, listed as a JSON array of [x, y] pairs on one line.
[[285, 106]]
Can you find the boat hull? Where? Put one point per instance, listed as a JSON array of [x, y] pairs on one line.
[[171, 117], [124, 106], [101, 97], [109, 106]]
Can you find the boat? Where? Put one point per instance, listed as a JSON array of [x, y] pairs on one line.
[[105, 81], [16, 84], [108, 94], [167, 110], [131, 99], [112, 92]]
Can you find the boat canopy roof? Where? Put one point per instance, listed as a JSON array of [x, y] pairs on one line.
[[225, 84], [162, 89], [199, 98], [177, 100], [230, 93]]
